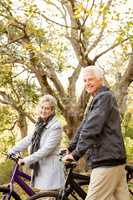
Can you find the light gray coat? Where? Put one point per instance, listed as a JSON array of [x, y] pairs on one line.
[[51, 175]]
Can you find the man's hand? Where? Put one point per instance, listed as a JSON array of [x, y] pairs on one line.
[[20, 161], [68, 157], [64, 151]]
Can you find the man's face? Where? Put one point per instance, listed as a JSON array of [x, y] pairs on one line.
[[46, 110], [92, 82]]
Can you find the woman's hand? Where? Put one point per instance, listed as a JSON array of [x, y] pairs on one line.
[[68, 157], [64, 151], [20, 161]]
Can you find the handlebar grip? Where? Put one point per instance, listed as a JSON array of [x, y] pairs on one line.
[[70, 160], [12, 156], [63, 152]]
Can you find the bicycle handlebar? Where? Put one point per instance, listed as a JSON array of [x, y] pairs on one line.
[[13, 157], [69, 163]]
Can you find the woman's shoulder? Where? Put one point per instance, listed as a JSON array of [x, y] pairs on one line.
[[54, 123]]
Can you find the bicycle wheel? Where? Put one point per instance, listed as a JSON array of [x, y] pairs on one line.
[[4, 192], [130, 186], [53, 195], [130, 178]]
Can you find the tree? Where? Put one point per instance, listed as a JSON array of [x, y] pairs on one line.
[[45, 42]]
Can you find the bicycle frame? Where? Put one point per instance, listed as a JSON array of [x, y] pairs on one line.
[[75, 180], [73, 185], [17, 176]]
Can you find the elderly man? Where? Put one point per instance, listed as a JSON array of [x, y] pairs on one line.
[[99, 136]]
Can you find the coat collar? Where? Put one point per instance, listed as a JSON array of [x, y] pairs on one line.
[[51, 122], [102, 89]]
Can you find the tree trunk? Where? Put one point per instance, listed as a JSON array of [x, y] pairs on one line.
[[121, 87], [22, 124]]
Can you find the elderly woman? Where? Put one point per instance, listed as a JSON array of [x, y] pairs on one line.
[[44, 147]]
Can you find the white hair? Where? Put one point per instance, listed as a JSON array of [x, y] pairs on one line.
[[94, 70], [47, 98]]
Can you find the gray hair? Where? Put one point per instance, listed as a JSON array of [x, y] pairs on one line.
[[48, 98], [94, 70]]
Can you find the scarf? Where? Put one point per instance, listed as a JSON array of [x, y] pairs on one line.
[[39, 129]]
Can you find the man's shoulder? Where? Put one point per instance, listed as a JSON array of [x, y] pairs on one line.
[[105, 97], [105, 94]]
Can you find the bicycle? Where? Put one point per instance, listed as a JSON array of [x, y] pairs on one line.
[[73, 184], [129, 169], [19, 177]]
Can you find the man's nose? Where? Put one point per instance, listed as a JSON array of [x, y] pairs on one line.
[[43, 111], [87, 83]]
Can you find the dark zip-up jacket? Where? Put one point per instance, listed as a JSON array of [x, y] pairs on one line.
[[99, 135]]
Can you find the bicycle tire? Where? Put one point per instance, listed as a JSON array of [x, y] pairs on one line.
[[129, 169], [130, 182], [5, 191], [41, 195]]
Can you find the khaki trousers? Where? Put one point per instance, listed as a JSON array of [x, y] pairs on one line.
[[108, 183]]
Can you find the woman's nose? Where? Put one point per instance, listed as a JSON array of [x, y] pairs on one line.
[[43, 111]]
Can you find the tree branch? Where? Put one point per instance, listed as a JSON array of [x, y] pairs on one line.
[[100, 33], [62, 25], [121, 87], [53, 93], [88, 15], [75, 39], [72, 82], [127, 77], [8, 100], [8, 10], [9, 129], [12, 41], [30, 117], [110, 48], [53, 77]]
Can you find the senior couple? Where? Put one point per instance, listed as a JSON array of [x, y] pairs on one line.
[[99, 137]]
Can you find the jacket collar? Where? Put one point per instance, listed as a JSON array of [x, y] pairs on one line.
[[51, 122], [102, 89]]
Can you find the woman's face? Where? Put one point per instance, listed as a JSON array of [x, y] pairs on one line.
[[46, 110]]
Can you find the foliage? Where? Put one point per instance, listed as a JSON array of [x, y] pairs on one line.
[[129, 132], [7, 141], [5, 169], [38, 46], [129, 148], [7, 117]]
